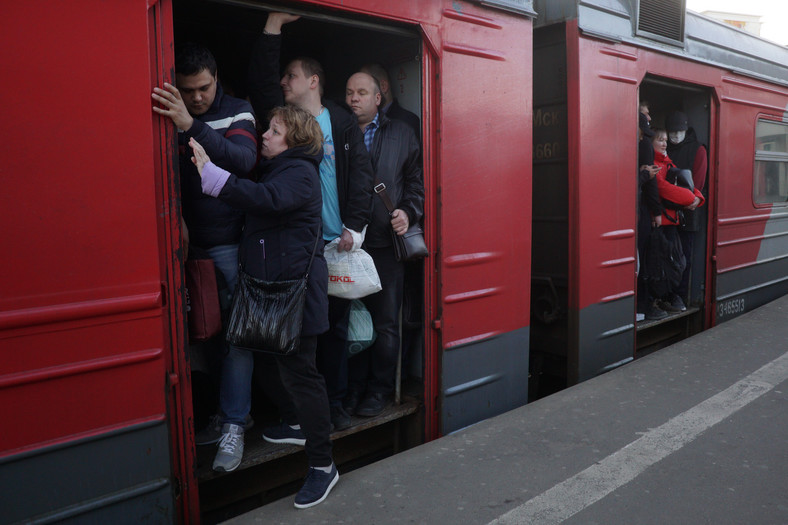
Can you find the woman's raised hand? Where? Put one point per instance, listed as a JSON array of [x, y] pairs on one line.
[[200, 158]]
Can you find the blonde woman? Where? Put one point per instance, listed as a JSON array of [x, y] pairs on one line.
[[283, 216]]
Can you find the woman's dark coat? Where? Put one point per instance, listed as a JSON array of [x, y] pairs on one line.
[[283, 216]]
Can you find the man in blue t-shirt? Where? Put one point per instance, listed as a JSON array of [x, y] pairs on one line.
[[346, 179]]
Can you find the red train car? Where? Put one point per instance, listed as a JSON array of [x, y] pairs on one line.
[[593, 62], [95, 375]]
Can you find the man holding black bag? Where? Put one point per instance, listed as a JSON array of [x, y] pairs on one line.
[[394, 150]]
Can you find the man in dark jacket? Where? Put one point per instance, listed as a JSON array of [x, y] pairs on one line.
[[395, 157], [225, 126], [687, 152], [345, 175]]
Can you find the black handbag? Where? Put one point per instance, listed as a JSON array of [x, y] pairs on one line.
[[410, 245], [267, 315]]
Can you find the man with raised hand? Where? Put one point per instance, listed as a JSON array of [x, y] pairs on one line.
[[346, 181], [225, 127]]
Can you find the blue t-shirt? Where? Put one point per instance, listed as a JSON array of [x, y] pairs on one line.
[[332, 221]]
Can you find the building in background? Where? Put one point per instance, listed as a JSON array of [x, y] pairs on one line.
[[750, 23]]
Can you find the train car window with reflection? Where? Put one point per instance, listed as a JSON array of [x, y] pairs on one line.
[[770, 174]]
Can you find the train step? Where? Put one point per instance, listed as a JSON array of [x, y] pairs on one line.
[[649, 323], [258, 451]]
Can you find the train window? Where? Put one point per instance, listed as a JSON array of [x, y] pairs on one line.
[[770, 174]]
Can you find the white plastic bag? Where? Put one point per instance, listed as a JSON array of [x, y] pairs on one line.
[[351, 275]]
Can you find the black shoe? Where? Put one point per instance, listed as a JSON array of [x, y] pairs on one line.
[[339, 418], [654, 312], [373, 405], [668, 307], [351, 401], [676, 302], [284, 433]]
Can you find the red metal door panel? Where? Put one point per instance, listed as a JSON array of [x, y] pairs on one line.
[[83, 330], [602, 84], [750, 246], [79, 200], [485, 212]]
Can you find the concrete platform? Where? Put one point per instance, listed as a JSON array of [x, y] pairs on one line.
[[694, 433]]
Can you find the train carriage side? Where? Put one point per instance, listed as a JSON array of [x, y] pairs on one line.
[[585, 137], [90, 329], [751, 241]]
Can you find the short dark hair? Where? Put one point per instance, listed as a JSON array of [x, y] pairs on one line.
[[191, 58], [310, 66]]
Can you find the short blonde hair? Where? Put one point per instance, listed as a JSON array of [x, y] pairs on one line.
[[302, 128]]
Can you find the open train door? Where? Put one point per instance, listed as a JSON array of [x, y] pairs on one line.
[[482, 131], [89, 300]]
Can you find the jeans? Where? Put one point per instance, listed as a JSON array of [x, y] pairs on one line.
[[298, 388], [235, 392], [225, 257]]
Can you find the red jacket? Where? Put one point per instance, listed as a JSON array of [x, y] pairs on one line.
[[672, 192]]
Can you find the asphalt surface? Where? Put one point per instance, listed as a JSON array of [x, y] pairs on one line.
[[696, 433]]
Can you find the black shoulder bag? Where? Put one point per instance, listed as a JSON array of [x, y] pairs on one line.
[[267, 315], [409, 246]]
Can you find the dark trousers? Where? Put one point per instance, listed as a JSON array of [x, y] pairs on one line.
[[687, 245], [375, 368], [332, 351], [671, 234], [644, 297], [293, 383]]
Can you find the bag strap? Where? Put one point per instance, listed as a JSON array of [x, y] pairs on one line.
[[314, 249], [380, 189]]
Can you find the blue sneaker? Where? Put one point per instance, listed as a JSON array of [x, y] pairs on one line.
[[283, 433], [316, 487]]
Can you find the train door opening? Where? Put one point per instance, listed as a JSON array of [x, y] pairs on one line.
[[342, 42], [665, 97]]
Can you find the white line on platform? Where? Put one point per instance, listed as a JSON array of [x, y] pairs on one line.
[[594, 483]]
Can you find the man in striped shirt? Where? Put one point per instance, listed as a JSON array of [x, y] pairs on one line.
[[225, 127]]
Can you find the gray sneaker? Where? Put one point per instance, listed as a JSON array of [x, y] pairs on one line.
[[231, 448], [212, 432]]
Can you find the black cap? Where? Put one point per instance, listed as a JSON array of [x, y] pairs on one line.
[[644, 127], [676, 121]]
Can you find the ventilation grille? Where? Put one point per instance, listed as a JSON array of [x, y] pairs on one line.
[[663, 18]]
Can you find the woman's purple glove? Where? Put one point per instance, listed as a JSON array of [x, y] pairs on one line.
[[213, 179]]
